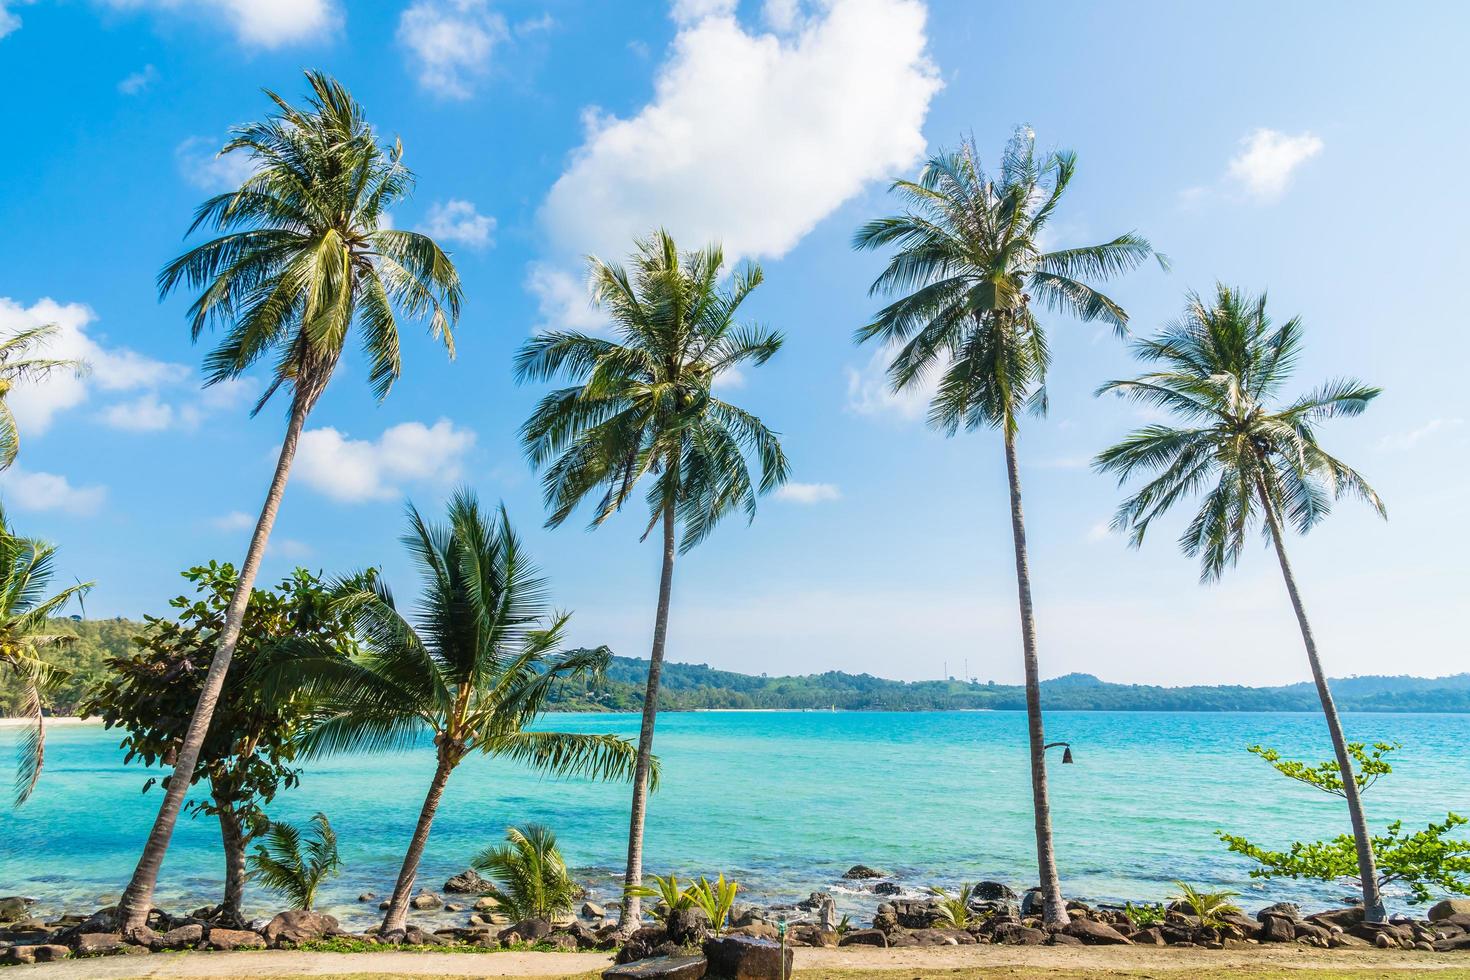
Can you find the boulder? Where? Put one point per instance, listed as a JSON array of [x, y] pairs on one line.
[[1033, 903], [298, 926], [467, 882], [1015, 934], [1283, 910], [366, 897], [1342, 918], [865, 937], [814, 901], [807, 934], [591, 910], [486, 903], [419, 936], [688, 927], [1277, 929], [1454, 944], [1096, 933], [530, 930], [993, 891], [563, 942], [1151, 936], [1063, 939], [659, 968], [181, 937], [859, 872], [759, 930], [887, 888], [425, 900], [13, 907], [99, 943], [641, 944], [1438, 911], [226, 940], [746, 958]]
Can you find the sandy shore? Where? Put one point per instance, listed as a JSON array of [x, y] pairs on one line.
[[955, 962]]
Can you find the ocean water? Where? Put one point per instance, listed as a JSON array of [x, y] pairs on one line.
[[784, 803]]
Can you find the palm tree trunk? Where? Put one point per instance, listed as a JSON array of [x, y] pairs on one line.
[[397, 915], [233, 838], [1373, 908], [137, 899], [1055, 913], [632, 908]]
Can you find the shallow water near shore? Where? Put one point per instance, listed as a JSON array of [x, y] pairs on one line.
[[782, 802]]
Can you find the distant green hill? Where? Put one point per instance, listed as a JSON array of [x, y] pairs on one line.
[[693, 686]]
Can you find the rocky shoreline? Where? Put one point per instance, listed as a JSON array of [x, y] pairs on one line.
[[681, 945]]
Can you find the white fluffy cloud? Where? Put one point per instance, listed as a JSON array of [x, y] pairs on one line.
[[235, 520], [869, 392], [752, 138], [1268, 159], [9, 19], [1403, 441], [138, 81], [200, 163], [458, 221], [808, 493], [356, 470], [263, 23], [29, 490], [450, 43], [563, 299]]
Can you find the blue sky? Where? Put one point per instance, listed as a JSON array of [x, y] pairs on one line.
[[1309, 150]]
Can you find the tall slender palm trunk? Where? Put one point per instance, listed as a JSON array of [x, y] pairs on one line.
[[1055, 913], [137, 899], [1373, 908], [632, 908], [397, 915]]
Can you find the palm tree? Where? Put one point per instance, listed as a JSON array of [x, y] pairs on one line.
[[26, 567], [305, 255], [642, 405], [281, 864], [1255, 459], [530, 876], [969, 270], [18, 366], [475, 665]]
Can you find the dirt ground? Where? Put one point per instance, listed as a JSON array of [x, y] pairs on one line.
[[954, 963]]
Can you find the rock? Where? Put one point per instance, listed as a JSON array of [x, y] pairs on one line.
[[366, 897], [14, 907], [1033, 903], [887, 888], [1454, 944], [182, 937], [453, 907], [1460, 920], [99, 943], [813, 901], [1015, 934], [1342, 918], [426, 899], [562, 941], [383, 906], [591, 910], [1342, 940], [758, 930], [419, 936], [1096, 933], [467, 882], [1277, 929], [1148, 937], [17, 955], [230, 939], [859, 872], [993, 891], [864, 937], [1243, 925], [297, 926], [688, 927], [1438, 911], [659, 968], [1064, 939], [827, 914], [746, 958], [1284, 910], [530, 930]]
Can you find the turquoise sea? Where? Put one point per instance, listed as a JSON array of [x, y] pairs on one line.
[[783, 802]]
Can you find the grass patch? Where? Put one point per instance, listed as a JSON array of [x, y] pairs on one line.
[[344, 945]]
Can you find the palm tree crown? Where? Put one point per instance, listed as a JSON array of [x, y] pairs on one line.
[[306, 251], [26, 611], [1223, 366], [969, 263], [643, 404], [17, 365]]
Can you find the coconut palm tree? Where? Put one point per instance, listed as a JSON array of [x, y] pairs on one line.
[[283, 865], [1254, 457], [305, 256], [17, 366], [642, 406], [474, 665], [970, 271], [26, 611]]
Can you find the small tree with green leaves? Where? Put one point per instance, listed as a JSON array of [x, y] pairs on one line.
[[1423, 861], [954, 910], [530, 877], [1208, 907], [715, 898], [289, 867]]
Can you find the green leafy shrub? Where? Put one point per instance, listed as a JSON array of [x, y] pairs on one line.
[[530, 878], [1144, 915], [1208, 906], [716, 898], [954, 910], [284, 865]]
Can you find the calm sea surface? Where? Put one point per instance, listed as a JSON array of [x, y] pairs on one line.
[[783, 802]]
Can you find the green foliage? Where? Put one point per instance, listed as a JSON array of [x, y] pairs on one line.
[[716, 898], [306, 251], [530, 876], [969, 265], [1250, 452], [1208, 906], [1144, 914], [27, 637], [642, 405], [1327, 776], [284, 865], [954, 910], [671, 895], [1424, 861], [18, 366], [250, 749]]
